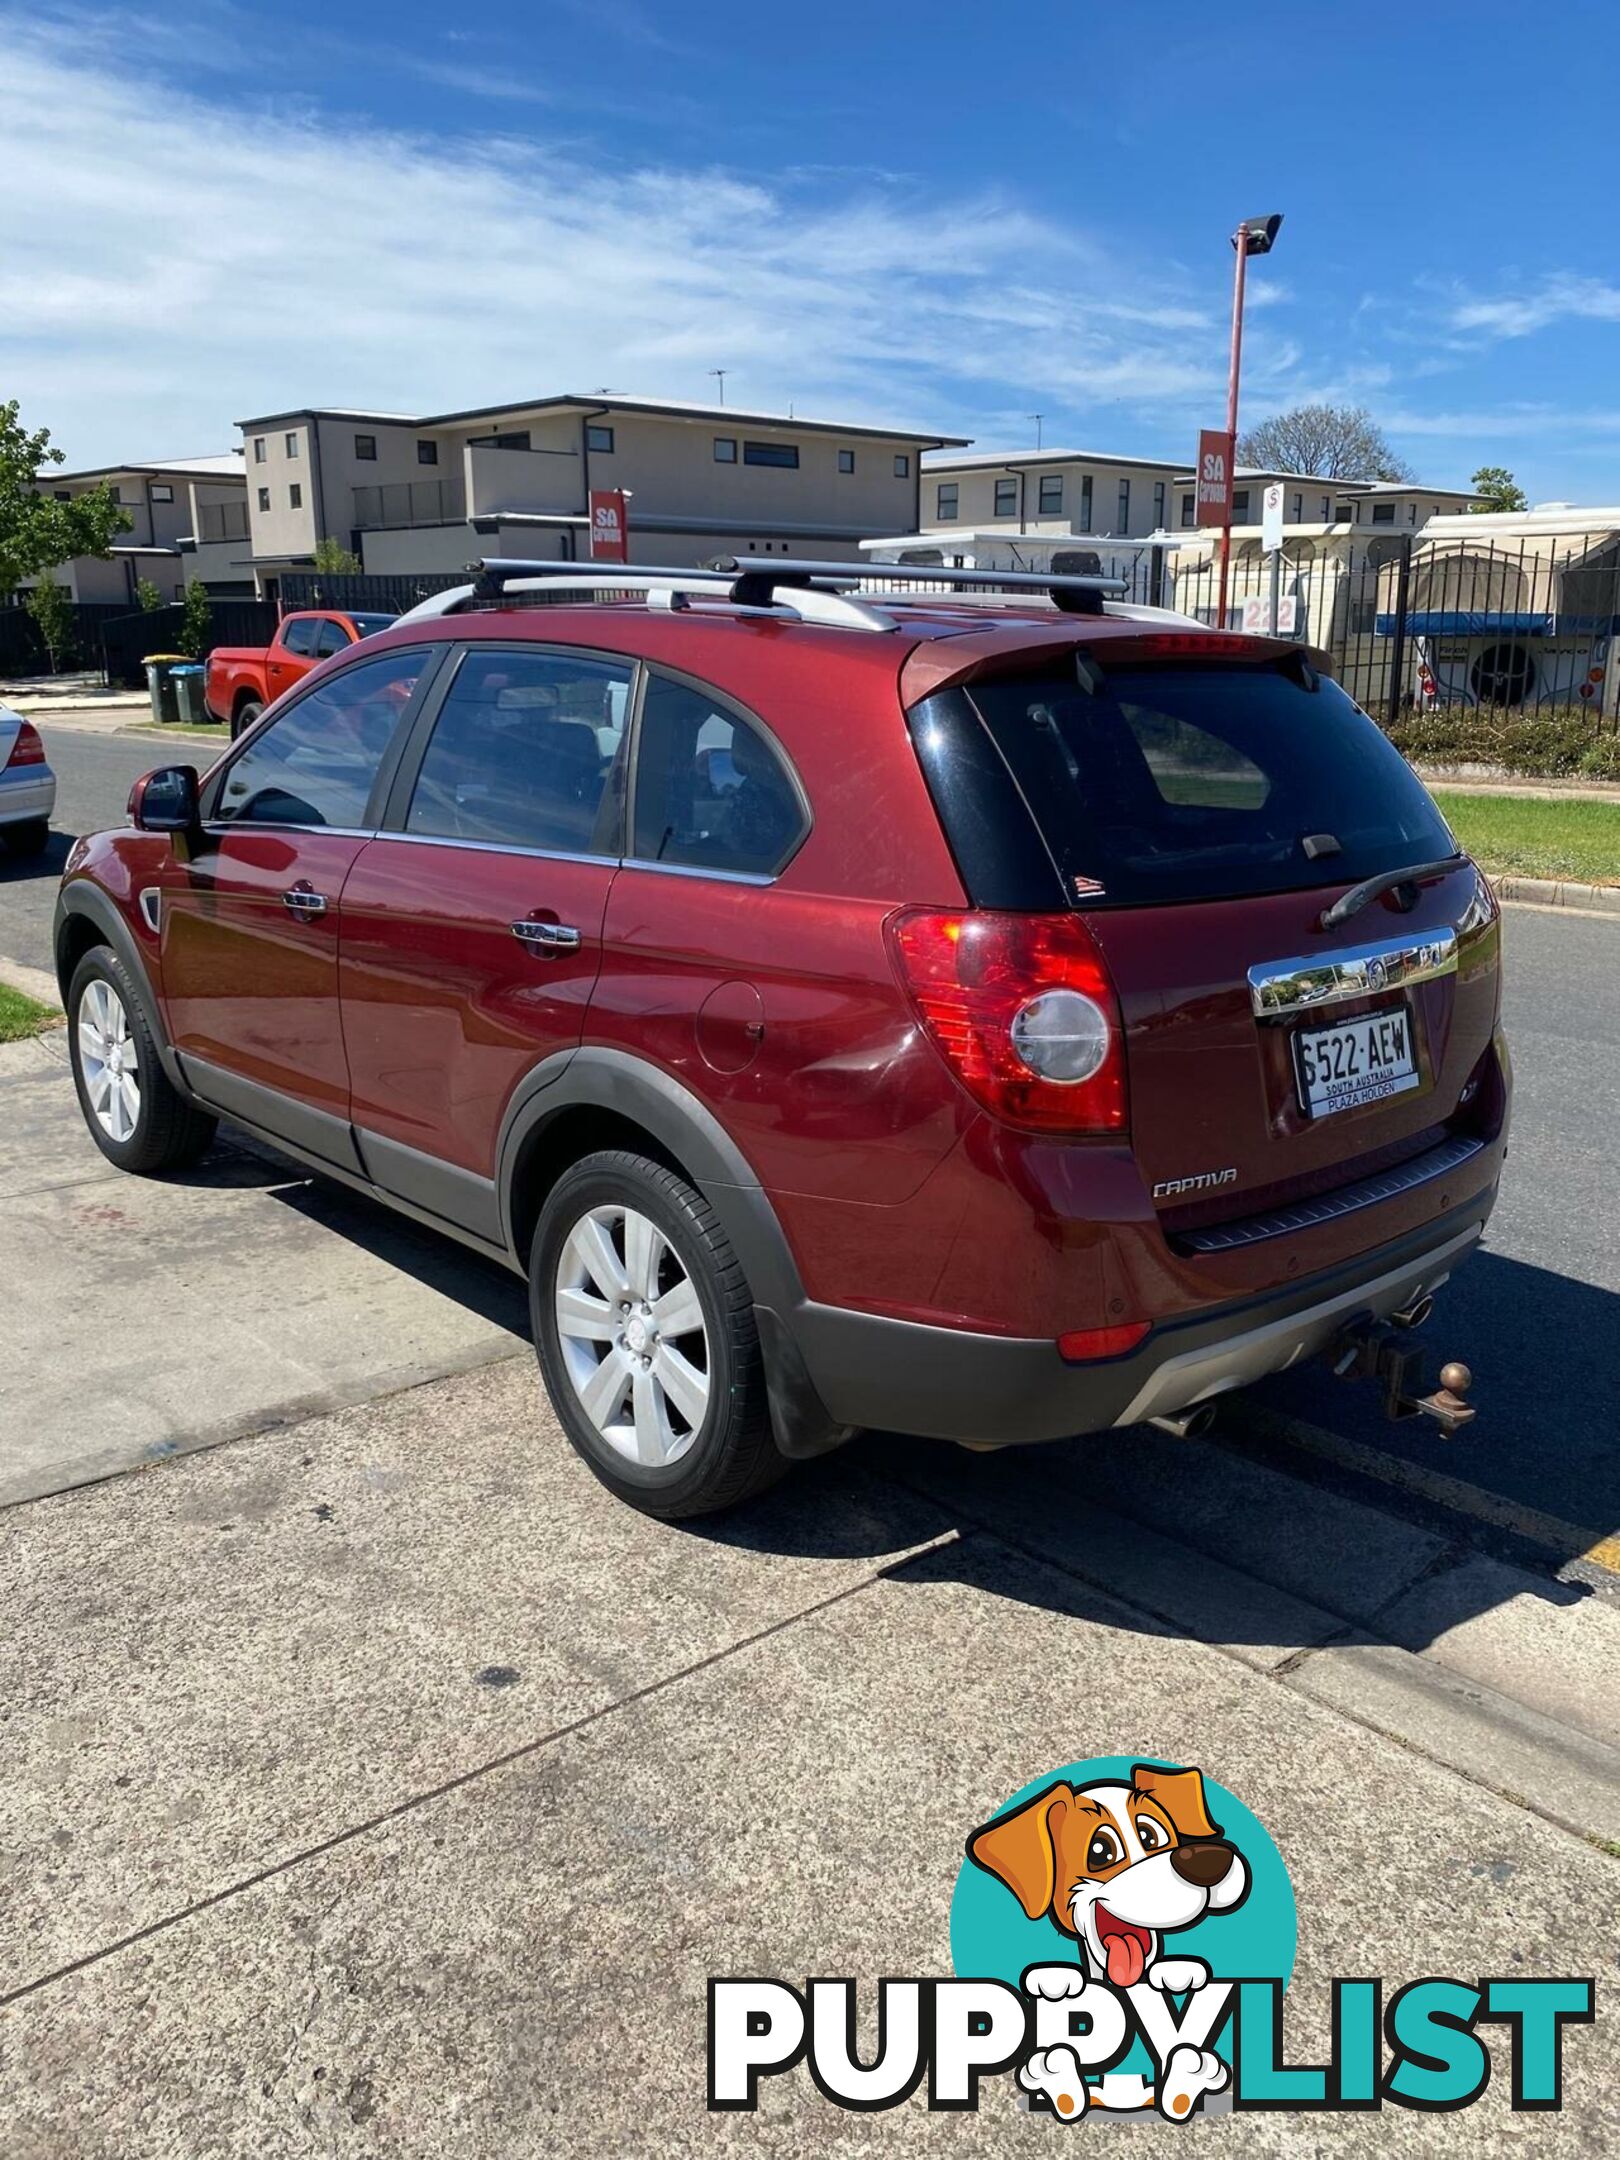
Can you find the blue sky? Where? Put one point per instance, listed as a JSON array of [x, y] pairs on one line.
[[945, 215]]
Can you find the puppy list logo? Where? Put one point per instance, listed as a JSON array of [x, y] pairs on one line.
[[1123, 1933]]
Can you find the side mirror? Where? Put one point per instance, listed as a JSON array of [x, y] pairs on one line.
[[165, 800]]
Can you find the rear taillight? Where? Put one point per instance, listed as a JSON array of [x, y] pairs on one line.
[[1023, 1011], [27, 749]]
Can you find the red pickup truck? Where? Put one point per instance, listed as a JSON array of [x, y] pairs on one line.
[[242, 679]]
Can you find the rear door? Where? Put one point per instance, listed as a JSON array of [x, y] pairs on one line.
[[473, 923], [1205, 812]]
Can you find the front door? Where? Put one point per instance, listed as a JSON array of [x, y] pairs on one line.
[[473, 924], [290, 655], [252, 909]]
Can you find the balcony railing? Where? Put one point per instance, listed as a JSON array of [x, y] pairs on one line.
[[409, 502]]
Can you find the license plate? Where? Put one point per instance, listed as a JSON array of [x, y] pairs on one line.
[[1355, 1062]]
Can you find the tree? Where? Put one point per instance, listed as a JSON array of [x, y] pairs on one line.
[[1333, 442], [147, 596], [197, 623], [335, 559], [52, 611], [36, 531], [1499, 489]]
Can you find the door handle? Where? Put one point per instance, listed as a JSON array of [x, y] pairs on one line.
[[546, 937], [302, 901]]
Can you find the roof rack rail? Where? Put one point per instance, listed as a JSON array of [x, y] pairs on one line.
[[816, 592], [1074, 595]]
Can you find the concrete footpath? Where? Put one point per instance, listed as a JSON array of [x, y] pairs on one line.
[[380, 1785]]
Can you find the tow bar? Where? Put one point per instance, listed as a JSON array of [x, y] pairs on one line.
[[1383, 1351]]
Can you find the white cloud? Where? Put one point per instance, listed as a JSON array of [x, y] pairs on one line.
[[177, 260], [1558, 297]]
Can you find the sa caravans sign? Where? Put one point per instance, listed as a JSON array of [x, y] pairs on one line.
[[1214, 487]]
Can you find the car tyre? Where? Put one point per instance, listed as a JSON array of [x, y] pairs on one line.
[[644, 1327], [135, 1114], [244, 716], [27, 838]]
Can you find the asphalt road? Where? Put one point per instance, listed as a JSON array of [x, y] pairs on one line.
[[93, 777], [1536, 1314]]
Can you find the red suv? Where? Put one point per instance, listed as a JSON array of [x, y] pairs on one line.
[[988, 1022]]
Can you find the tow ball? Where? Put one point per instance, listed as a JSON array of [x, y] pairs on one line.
[[1383, 1351]]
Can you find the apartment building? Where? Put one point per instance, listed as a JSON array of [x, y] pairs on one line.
[[414, 493], [1076, 491], [188, 521], [1405, 505]]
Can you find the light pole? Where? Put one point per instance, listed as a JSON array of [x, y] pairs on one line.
[[1255, 236]]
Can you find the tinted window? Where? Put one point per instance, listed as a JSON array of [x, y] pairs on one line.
[[299, 636], [523, 754], [770, 453], [1197, 782], [331, 637], [711, 792], [369, 625], [315, 765]]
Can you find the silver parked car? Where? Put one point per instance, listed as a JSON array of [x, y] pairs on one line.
[[27, 785]]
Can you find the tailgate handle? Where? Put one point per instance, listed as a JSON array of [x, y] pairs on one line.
[[1278, 988]]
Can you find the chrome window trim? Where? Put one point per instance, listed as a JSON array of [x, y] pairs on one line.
[[497, 847], [1278, 988], [720, 877], [218, 828]]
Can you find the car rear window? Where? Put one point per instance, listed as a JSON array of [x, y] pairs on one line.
[[1196, 782]]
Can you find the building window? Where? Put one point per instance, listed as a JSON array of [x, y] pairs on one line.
[[289, 442], [365, 448], [1051, 494], [1085, 502], [427, 453], [946, 500], [264, 498], [725, 449], [63, 494], [1124, 506], [1346, 514], [902, 467], [846, 461], [514, 439], [1297, 509], [1186, 510], [1240, 506], [116, 492], [771, 453], [295, 497], [1383, 513], [258, 449], [1327, 509], [1411, 513], [1158, 505], [599, 438], [1006, 498], [162, 493]]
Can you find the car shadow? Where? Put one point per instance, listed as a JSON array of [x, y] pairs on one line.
[[48, 863], [1203, 1537]]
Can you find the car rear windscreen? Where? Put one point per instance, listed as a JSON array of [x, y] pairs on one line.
[[1194, 782]]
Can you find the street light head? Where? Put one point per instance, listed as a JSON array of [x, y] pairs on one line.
[[1258, 235]]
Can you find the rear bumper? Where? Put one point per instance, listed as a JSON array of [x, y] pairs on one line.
[[23, 800], [950, 1384]]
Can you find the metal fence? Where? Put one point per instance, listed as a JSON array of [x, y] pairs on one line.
[[370, 593], [396, 503], [1413, 624]]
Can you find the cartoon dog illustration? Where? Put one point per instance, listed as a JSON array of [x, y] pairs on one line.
[[1118, 1866]]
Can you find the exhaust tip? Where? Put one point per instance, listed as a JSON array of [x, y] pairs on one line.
[[1186, 1424], [1415, 1314]]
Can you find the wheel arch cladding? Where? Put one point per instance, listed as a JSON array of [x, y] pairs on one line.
[[86, 918]]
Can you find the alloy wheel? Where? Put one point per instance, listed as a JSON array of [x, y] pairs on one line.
[[107, 1058], [633, 1338]]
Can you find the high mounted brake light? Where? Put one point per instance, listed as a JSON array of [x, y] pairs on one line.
[[1023, 1011]]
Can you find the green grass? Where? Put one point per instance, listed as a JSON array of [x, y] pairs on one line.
[[21, 1015], [1537, 837]]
